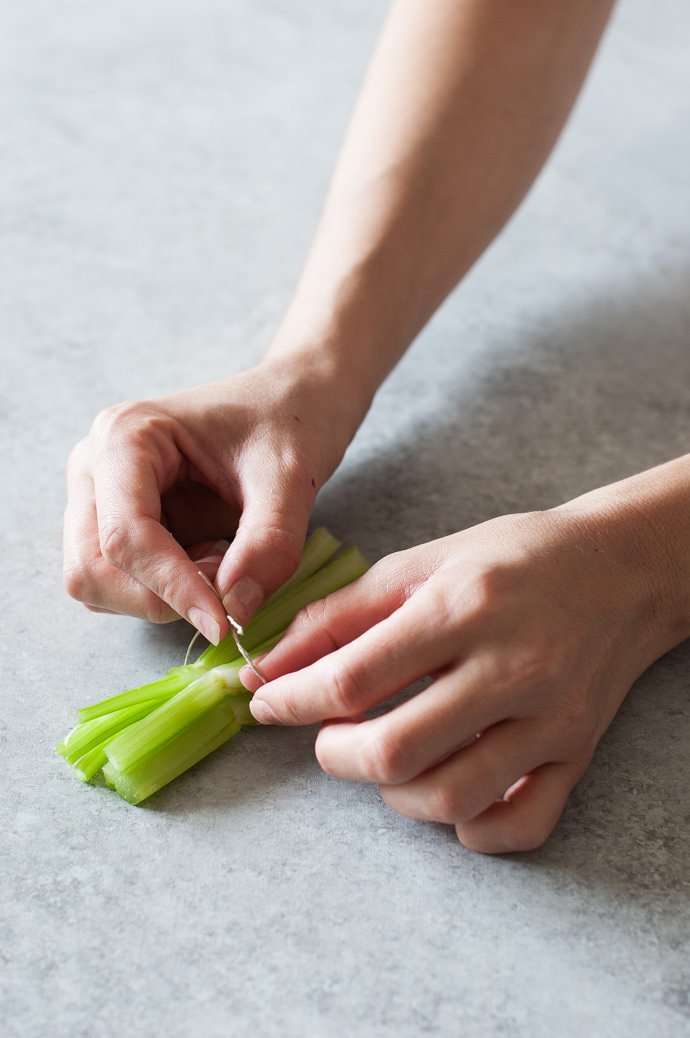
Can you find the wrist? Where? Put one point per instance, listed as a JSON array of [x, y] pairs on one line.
[[336, 356], [304, 389], [639, 529]]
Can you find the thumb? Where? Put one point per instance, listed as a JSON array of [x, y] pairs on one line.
[[265, 551]]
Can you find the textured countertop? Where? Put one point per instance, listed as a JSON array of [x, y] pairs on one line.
[[161, 169]]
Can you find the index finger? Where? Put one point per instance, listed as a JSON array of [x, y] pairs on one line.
[[385, 659], [128, 482]]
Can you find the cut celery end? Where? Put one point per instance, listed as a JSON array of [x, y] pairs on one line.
[[99, 730], [273, 618], [203, 736], [165, 688], [147, 736], [110, 773], [90, 764]]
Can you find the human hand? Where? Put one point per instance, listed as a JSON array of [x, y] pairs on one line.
[[157, 483], [533, 628]]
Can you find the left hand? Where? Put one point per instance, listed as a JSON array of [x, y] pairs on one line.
[[533, 628]]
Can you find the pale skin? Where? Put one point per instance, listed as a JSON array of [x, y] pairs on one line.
[[542, 621]]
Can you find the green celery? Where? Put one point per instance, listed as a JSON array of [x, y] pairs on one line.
[[164, 688], [159, 727], [275, 616], [206, 734], [319, 548], [143, 738], [89, 734], [91, 763]]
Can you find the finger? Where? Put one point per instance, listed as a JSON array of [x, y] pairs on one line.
[[420, 733], [127, 489], [527, 816], [383, 660], [471, 779], [267, 545], [208, 555], [86, 574], [332, 622]]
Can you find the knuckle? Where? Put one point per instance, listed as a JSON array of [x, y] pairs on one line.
[[124, 411], [77, 582], [291, 714], [573, 722], [135, 423], [158, 611], [448, 805], [116, 542], [533, 663], [385, 759], [348, 684], [109, 421], [531, 832], [77, 459], [314, 618]]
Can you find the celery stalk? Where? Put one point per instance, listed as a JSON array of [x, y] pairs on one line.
[[319, 548], [276, 615], [163, 724], [144, 738], [89, 734], [164, 688], [91, 763], [203, 736]]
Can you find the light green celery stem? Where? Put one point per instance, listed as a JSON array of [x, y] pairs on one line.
[[92, 762], [164, 688], [206, 734], [145, 737], [89, 734], [240, 705], [274, 617], [319, 548]]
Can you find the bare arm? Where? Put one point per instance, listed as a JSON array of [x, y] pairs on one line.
[[461, 105]]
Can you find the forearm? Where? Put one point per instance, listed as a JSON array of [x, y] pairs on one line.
[[640, 525], [461, 105]]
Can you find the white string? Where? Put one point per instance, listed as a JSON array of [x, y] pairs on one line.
[[236, 630]]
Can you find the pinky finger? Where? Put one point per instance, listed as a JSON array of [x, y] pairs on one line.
[[526, 817]]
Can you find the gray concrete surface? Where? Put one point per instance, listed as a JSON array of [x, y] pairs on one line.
[[161, 169]]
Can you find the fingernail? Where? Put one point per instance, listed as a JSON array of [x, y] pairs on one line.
[[243, 599], [262, 712], [248, 679], [204, 622]]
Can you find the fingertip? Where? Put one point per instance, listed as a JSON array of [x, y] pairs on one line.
[[525, 818], [262, 712], [205, 624]]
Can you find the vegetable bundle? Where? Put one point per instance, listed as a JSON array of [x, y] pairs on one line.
[[140, 740]]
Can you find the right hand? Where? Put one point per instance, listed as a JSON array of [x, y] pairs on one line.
[[156, 483]]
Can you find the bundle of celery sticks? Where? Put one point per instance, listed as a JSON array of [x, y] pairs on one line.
[[140, 740]]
